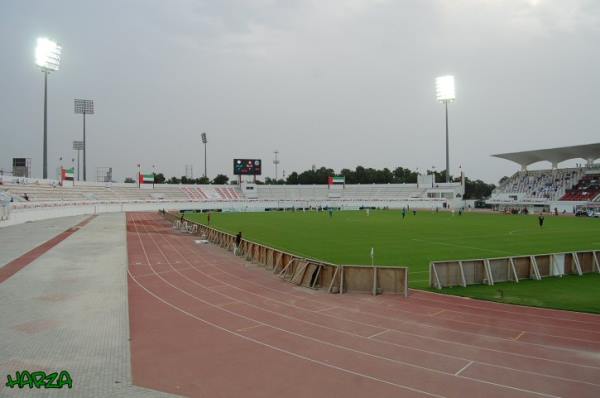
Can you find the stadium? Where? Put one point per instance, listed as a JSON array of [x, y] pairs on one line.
[[369, 282]]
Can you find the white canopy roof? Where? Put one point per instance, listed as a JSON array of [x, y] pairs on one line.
[[553, 155]]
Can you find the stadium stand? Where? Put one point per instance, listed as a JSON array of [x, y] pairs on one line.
[[31, 199], [588, 188], [553, 189], [541, 184]]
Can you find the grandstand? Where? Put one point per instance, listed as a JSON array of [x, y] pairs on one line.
[[546, 190], [21, 197]]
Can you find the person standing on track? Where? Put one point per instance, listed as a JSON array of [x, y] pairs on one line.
[[238, 242]]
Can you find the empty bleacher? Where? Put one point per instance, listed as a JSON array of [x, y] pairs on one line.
[[348, 192], [124, 193], [118, 193], [587, 189]]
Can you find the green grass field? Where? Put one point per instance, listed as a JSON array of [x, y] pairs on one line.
[[347, 238]]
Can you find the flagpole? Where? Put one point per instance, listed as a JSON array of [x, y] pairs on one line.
[[153, 176], [138, 176]]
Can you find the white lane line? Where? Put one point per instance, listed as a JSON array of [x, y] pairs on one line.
[[249, 328], [321, 310], [463, 368], [378, 334]]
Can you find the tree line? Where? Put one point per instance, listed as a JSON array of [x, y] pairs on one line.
[[474, 189]]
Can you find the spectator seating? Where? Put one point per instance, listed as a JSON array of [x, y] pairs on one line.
[[541, 184], [587, 189]]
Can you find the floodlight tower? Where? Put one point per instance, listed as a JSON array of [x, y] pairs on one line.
[[204, 141], [276, 163], [78, 146], [84, 107], [47, 57], [445, 93]]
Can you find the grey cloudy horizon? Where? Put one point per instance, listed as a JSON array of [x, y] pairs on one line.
[[326, 83]]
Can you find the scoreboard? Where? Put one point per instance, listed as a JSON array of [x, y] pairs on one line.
[[247, 167]]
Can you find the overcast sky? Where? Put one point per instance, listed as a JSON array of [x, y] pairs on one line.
[[325, 82]]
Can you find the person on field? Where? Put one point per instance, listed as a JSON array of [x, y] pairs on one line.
[[238, 242], [541, 220], [403, 212], [330, 213], [208, 223]]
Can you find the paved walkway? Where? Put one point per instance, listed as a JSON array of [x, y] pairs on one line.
[[68, 309], [19, 239]]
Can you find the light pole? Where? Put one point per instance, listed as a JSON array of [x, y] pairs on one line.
[[445, 93], [78, 146], [204, 141], [84, 107], [47, 57], [276, 163]]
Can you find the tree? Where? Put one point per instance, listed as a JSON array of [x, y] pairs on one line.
[[159, 178], [220, 179], [173, 180], [129, 180], [477, 189], [293, 178]]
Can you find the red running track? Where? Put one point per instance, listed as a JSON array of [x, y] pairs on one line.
[[207, 324]]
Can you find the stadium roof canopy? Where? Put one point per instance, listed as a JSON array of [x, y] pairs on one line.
[[589, 152]]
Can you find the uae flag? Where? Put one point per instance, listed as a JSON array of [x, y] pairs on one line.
[[68, 174], [341, 180], [146, 178]]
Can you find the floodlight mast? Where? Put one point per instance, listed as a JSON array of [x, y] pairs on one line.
[[445, 93], [276, 163], [47, 57], [204, 141], [84, 107]]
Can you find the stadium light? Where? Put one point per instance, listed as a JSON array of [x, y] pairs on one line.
[[84, 107], [276, 163], [445, 93], [78, 146], [204, 141], [47, 57]]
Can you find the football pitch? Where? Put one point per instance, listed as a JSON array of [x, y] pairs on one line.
[[348, 236]]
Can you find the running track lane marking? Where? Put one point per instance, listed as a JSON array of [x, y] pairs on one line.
[[277, 348], [143, 246], [378, 333], [21, 262], [519, 336], [463, 369]]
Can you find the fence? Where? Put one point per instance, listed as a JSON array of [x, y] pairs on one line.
[[503, 269], [308, 272]]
